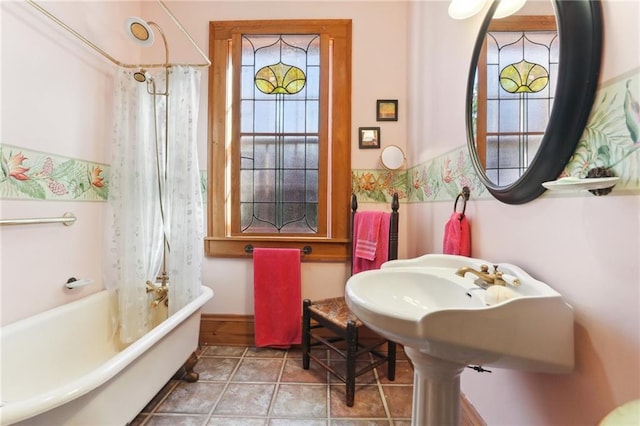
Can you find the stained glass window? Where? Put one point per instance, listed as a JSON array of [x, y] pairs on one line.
[[521, 70], [280, 86]]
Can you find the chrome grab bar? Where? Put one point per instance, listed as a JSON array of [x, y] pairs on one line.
[[67, 219]]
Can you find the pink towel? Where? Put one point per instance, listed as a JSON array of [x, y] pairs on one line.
[[381, 252], [457, 236], [367, 231], [277, 297]]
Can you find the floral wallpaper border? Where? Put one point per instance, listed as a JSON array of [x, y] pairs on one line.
[[611, 139], [33, 175]]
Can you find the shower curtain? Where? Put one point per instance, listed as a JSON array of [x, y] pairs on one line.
[[155, 195]]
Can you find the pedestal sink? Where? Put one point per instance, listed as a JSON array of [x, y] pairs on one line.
[[446, 321]]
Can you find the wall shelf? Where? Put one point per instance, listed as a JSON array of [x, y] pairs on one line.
[[577, 184]]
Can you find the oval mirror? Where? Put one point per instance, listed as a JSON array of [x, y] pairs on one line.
[[392, 157], [529, 95]]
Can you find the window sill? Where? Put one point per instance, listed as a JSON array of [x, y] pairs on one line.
[[322, 250]]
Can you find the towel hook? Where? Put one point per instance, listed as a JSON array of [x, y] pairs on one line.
[[465, 195]]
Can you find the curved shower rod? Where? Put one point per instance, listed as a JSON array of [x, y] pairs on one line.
[[111, 58]]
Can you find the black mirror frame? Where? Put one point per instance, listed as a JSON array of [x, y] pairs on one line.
[[580, 31]]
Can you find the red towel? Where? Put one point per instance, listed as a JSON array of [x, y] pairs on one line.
[[382, 242], [457, 236], [277, 297]]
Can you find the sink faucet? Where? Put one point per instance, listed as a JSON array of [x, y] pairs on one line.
[[485, 279]]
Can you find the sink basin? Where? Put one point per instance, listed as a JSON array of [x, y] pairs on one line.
[[422, 304]]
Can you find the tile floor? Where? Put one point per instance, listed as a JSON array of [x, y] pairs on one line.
[[249, 386]]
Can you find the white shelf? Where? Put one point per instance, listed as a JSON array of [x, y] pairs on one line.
[[577, 184]]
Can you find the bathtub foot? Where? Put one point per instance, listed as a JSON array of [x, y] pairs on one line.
[[190, 375]]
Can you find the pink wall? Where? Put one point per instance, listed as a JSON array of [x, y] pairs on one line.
[[585, 247]]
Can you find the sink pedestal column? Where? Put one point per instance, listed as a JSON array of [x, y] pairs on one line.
[[436, 390]]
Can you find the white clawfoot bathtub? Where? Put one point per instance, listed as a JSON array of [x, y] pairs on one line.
[[62, 367]]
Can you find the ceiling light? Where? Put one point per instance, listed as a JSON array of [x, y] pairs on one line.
[[508, 7], [463, 9]]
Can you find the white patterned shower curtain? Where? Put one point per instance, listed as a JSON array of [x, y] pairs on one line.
[[150, 200]]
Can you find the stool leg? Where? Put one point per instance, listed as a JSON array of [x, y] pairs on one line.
[[391, 360], [352, 348], [306, 330]]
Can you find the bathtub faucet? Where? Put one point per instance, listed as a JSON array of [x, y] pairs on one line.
[[161, 293]]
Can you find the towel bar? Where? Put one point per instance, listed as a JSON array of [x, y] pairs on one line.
[[305, 250]]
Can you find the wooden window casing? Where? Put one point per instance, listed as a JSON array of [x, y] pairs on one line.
[[332, 240]]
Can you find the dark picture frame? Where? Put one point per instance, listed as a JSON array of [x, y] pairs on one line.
[[369, 137], [387, 110]]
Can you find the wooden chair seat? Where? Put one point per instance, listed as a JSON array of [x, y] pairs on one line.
[[334, 310]]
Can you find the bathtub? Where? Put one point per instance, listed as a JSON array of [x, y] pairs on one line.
[[62, 367]]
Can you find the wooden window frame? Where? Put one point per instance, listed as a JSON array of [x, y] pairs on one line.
[[334, 161]]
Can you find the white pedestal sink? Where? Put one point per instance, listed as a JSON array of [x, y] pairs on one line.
[[447, 322]]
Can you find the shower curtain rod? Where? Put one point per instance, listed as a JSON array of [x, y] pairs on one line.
[[111, 58]]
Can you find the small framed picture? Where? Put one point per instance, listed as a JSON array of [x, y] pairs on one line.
[[369, 137], [387, 110]]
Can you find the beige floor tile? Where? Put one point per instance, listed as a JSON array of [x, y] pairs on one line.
[[216, 369], [258, 370], [245, 399], [399, 400], [367, 403], [191, 398], [224, 351], [293, 372], [300, 401]]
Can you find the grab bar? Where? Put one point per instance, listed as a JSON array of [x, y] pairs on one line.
[[67, 219]]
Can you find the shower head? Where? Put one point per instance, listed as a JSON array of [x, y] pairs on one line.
[[139, 31], [140, 76]]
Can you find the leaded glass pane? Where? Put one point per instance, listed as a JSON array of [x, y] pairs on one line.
[[509, 152], [538, 112], [280, 86]]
